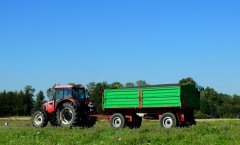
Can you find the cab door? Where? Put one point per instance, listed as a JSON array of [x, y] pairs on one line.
[[58, 96]]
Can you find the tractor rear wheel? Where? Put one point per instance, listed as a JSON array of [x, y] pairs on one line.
[[39, 119], [67, 115]]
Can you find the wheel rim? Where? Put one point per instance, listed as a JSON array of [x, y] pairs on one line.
[[117, 122], [167, 122], [66, 116], [38, 119]]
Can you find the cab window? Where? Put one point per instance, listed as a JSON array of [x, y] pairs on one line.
[[79, 94], [67, 93], [59, 94]]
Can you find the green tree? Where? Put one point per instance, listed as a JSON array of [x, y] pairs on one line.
[[116, 85], [28, 99], [74, 84], [96, 92], [210, 96], [129, 84], [90, 87], [39, 100], [20, 103], [187, 81], [141, 83]]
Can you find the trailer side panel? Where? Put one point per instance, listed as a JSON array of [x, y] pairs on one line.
[[165, 96], [121, 98]]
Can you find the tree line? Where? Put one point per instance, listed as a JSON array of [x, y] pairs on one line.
[[21, 102], [212, 103]]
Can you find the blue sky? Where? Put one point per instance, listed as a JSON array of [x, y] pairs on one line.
[[47, 42]]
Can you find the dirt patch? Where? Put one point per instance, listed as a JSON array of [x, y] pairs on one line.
[[15, 118]]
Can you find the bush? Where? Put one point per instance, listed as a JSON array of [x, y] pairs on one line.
[[200, 115]]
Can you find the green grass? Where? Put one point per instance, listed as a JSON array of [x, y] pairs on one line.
[[213, 132]]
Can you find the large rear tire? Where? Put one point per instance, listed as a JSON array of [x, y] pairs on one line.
[[67, 115], [39, 119], [168, 120]]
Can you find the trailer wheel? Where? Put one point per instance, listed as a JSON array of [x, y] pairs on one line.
[[168, 120], [39, 119], [117, 121], [136, 122], [139, 122]]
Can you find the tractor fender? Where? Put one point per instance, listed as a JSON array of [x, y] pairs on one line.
[[74, 102]]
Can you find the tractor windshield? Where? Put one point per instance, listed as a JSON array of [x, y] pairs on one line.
[[79, 94]]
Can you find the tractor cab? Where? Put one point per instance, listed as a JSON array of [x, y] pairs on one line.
[[70, 92]]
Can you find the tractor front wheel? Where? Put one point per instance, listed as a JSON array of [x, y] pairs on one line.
[[39, 119]]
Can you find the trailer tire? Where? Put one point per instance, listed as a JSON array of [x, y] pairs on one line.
[[168, 120], [39, 119], [117, 121], [139, 122], [136, 122]]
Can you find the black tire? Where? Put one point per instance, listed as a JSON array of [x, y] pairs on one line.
[[91, 122], [192, 120], [139, 122], [136, 122], [67, 115], [39, 119], [117, 121], [168, 120], [54, 121]]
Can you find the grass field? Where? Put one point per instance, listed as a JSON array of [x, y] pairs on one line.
[[21, 132]]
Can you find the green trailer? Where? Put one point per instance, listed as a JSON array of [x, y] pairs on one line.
[[173, 103]]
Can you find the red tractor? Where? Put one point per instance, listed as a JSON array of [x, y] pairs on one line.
[[68, 107]]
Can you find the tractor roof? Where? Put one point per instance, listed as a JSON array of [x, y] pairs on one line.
[[68, 86]]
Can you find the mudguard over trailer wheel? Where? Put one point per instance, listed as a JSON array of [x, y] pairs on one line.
[[117, 121], [39, 119], [168, 120]]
